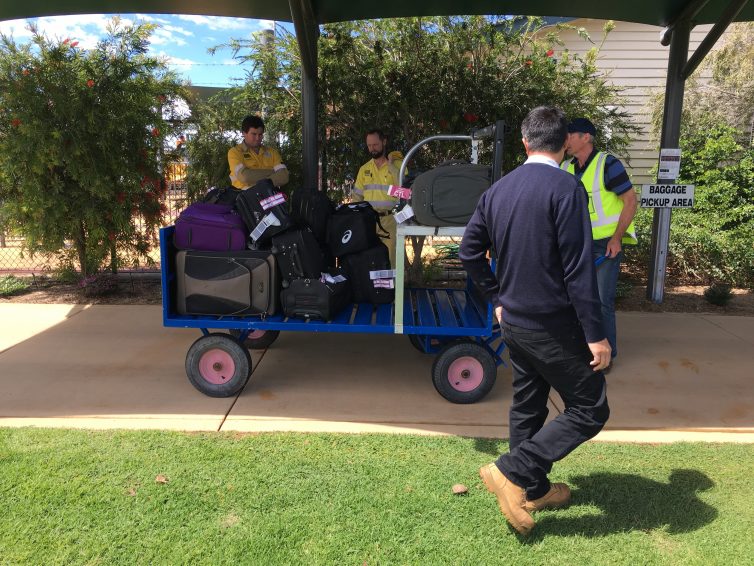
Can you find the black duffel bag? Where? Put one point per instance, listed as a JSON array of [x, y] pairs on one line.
[[353, 228]]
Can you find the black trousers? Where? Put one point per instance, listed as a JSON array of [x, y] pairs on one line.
[[544, 359]]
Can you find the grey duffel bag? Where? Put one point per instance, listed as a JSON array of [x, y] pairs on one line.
[[448, 194]]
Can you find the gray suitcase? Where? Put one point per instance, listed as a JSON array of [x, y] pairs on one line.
[[241, 283], [448, 194]]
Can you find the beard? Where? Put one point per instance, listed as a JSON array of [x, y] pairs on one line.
[[377, 154]]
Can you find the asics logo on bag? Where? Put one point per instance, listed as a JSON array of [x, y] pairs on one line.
[[346, 237]]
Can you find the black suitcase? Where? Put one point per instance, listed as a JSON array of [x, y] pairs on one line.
[[447, 195], [312, 208], [298, 254], [222, 195], [263, 210], [243, 282], [316, 299], [352, 229], [361, 269]]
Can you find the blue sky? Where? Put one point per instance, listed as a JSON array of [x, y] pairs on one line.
[[182, 39]]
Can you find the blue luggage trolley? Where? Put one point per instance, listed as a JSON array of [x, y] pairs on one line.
[[457, 325]]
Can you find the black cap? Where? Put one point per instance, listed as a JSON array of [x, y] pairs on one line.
[[582, 125]]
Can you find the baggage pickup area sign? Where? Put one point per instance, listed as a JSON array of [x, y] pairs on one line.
[[667, 196]]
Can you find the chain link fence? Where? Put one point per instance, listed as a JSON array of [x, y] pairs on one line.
[[15, 260], [440, 254]]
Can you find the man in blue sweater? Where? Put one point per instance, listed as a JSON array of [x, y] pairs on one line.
[[536, 221]]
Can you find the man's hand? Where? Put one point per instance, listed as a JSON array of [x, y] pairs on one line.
[[499, 313], [613, 247], [601, 351]]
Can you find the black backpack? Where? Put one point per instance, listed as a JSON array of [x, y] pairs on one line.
[[353, 228]]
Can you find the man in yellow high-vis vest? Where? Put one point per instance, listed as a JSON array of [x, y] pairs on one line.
[[612, 206], [374, 180]]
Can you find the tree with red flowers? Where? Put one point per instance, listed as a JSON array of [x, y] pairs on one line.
[[81, 132]]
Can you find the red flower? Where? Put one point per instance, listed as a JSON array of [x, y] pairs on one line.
[[120, 197], [155, 132], [66, 40], [529, 62], [469, 65], [16, 122], [111, 236], [550, 52], [25, 72], [74, 44], [470, 118], [90, 83], [161, 98]]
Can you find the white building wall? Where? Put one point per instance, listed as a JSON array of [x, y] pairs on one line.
[[636, 62]]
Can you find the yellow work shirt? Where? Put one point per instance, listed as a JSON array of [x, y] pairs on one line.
[[372, 184], [241, 157]]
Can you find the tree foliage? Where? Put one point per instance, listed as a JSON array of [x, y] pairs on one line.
[[81, 134], [412, 77]]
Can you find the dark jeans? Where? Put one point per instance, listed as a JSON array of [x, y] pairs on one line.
[[607, 285], [542, 360]]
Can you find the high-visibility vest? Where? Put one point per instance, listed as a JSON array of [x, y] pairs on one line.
[[604, 205]]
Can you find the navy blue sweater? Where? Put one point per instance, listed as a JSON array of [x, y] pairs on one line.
[[537, 222]]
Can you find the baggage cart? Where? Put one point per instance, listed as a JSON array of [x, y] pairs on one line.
[[457, 326]]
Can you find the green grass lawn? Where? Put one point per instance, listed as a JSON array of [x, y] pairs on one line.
[[73, 497]]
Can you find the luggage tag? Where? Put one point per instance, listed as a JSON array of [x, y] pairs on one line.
[[405, 213], [327, 278], [399, 192], [269, 220], [382, 274], [274, 200], [384, 283]]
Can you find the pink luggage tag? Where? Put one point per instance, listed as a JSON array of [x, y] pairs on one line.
[[399, 192]]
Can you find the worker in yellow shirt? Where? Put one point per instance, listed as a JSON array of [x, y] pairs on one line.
[[374, 179], [250, 161]]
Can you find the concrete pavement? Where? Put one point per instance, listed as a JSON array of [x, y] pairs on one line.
[[678, 377]]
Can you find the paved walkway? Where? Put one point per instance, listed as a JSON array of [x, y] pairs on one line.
[[679, 377]]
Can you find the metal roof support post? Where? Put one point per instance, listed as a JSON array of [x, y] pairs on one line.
[[307, 32], [671, 133]]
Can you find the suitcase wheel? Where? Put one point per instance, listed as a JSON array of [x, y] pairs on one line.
[[257, 339], [217, 365], [464, 372]]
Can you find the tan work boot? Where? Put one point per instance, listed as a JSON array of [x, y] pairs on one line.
[[558, 496], [510, 497]]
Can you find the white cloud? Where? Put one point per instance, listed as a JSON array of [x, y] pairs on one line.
[[182, 64], [219, 23], [84, 28]]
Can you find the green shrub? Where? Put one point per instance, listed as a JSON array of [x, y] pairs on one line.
[[10, 285], [718, 294]]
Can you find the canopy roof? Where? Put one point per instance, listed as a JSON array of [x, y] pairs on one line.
[[653, 12]]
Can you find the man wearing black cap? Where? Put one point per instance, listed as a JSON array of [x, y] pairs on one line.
[[545, 296], [612, 206]]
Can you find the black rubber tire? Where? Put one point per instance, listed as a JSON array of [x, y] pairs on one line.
[[232, 383], [417, 342], [261, 343], [482, 361]]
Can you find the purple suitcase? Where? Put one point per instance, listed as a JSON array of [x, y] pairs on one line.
[[210, 227]]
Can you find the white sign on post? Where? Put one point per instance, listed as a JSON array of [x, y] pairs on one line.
[[670, 163], [667, 196]]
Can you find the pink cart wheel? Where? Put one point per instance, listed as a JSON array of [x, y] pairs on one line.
[[464, 371], [258, 339], [217, 365], [465, 374]]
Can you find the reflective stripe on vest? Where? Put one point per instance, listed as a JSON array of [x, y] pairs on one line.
[[377, 196], [604, 205]]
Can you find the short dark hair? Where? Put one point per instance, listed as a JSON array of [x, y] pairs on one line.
[[377, 131], [545, 129], [251, 122]]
